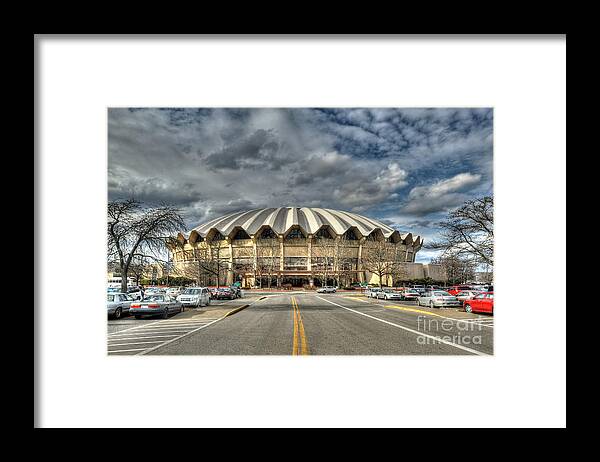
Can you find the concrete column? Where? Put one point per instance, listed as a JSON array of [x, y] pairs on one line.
[[309, 256], [230, 263], [255, 254], [281, 253]]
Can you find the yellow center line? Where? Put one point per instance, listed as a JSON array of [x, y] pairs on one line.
[[295, 344], [300, 346]]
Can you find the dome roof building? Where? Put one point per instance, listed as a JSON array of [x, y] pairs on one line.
[[297, 246]]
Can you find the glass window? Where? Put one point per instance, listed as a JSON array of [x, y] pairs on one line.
[[350, 235], [323, 233], [154, 298], [218, 237], [295, 234], [241, 234], [110, 298], [268, 233]]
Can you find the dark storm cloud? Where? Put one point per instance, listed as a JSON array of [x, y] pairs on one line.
[[407, 167]]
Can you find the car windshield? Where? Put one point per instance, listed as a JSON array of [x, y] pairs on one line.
[[154, 298], [441, 293], [224, 290], [191, 291], [110, 298]]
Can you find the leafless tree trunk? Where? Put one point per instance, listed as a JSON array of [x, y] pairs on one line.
[[379, 257], [133, 229]]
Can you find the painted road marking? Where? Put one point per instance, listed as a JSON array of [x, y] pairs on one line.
[[404, 308], [132, 343], [300, 346], [356, 299], [137, 338], [429, 313], [437, 339], [123, 351], [144, 352]]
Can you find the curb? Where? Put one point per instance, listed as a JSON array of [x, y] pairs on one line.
[[235, 310]]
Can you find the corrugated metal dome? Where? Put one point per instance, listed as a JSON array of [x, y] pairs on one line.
[[309, 219]]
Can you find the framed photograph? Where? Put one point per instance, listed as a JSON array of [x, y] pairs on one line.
[[300, 232]]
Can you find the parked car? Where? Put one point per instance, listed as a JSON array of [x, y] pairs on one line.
[[135, 292], [409, 294], [174, 291], [389, 294], [372, 292], [155, 304], [154, 290], [194, 296], [466, 294], [225, 293], [326, 290], [213, 292], [117, 304], [437, 299], [481, 303], [456, 289]]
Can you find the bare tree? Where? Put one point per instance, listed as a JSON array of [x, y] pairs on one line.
[[380, 258], [398, 270], [267, 258], [459, 269], [133, 230], [469, 232], [324, 256]]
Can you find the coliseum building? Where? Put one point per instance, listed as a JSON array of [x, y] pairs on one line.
[[297, 246]]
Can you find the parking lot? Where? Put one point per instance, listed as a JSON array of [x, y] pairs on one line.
[[305, 323], [130, 336]]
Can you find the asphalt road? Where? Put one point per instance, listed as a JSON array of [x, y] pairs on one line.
[[332, 324]]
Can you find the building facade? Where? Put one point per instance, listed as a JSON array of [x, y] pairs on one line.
[[297, 246]]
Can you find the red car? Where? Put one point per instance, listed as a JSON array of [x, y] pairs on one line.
[[456, 289], [481, 303]]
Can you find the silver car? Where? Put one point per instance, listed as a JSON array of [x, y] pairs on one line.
[[117, 303], [437, 299], [155, 304], [388, 294], [372, 292], [194, 296], [466, 295], [326, 290]]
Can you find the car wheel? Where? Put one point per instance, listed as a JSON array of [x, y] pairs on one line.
[[431, 305], [137, 316], [117, 313], [208, 302], [165, 315], [468, 308]]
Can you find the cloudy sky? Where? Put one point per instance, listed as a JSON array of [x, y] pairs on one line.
[[406, 167]]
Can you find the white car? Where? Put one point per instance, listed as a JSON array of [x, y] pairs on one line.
[[437, 299], [372, 292], [389, 294], [326, 290], [194, 296], [135, 293], [174, 291], [466, 295]]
